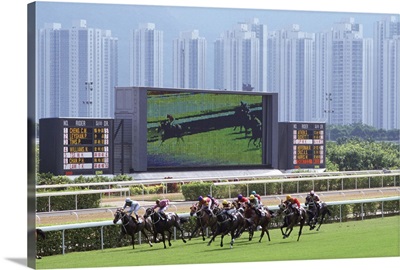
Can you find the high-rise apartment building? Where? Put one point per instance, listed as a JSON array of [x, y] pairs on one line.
[[189, 60], [77, 71], [240, 59], [146, 56], [291, 72], [351, 73], [386, 93]]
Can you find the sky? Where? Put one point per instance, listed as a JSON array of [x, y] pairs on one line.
[[121, 19], [14, 129]]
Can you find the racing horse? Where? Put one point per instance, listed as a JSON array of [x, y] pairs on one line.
[[39, 232], [256, 131], [290, 220], [203, 220], [260, 217], [130, 227], [242, 118], [314, 217], [225, 225], [160, 225], [168, 130]]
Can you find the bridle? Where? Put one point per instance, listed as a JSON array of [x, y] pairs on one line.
[[151, 215]]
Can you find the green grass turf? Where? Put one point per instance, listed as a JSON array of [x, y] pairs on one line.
[[356, 239]]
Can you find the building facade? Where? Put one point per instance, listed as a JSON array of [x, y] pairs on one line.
[[189, 60], [291, 73], [147, 56], [77, 70], [386, 74], [240, 58]]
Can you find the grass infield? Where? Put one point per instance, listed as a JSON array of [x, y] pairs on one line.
[[371, 238]]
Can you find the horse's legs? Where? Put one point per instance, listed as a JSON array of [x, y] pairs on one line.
[[133, 240], [169, 237], [147, 238], [290, 229], [266, 230], [282, 231], [222, 240], [194, 231], [163, 238], [262, 234], [301, 228], [216, 232], [322, 220], [232, 237]]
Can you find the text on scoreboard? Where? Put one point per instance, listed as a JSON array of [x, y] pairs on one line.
[[308, 144], [81, 146]]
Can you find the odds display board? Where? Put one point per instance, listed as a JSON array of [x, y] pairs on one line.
[[71, 146], [304, 143]]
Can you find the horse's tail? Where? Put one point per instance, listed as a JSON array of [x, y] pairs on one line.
[[41, 233]]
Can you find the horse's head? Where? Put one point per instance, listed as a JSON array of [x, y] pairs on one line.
[[119, 214], [193, 209], [282, 207], [149, 212]]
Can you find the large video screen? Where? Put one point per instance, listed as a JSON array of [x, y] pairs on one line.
[[201, 129]]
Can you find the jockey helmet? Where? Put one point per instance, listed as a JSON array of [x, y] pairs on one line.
[[200, 198], [157, 201], [224, 202], [253, 192], [127, 199], [312, 192], [288, 197], [240, 196], [251, 197], [209, 196]]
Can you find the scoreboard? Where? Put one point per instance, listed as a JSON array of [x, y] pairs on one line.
[[301, 145], [71, 146]]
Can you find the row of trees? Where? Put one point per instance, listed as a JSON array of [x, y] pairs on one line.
[[362, 131], [353, 154]]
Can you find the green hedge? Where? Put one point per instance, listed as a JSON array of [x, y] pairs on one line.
[[71, 202]]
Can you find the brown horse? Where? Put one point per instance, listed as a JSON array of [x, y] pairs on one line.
[[161, 225], [317, 216], [260, 217], [203, 220], [291, 219], [225, 225], [131, 227]]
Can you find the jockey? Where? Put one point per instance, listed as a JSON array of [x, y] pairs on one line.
[[213, 201], [257, 196], [163, 206], [205, 204], [171, 120], [228, 209], [313, 198], [253, 202], [241, 199], [294, 203], [133, 207]]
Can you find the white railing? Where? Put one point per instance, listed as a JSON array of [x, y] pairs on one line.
[[102, 224]]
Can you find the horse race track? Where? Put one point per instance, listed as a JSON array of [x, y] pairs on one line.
[[378, 237]]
